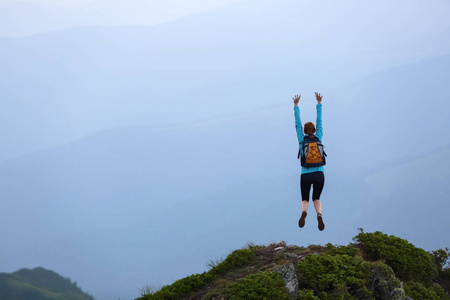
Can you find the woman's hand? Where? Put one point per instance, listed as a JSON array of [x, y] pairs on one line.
[[318, 98], [296, 98]]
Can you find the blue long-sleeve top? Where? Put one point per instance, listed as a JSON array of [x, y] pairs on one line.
[[301, 136]]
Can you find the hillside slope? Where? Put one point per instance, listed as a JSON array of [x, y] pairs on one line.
[[375, 266], [41, 284]]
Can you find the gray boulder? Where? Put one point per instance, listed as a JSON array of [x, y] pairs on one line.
[[384, 283], [287, 271]]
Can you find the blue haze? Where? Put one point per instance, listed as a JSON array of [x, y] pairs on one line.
[[133, 155]]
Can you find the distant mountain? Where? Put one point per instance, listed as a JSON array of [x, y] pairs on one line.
[[23, 18], [394, 115], [39, 284], [398, 178], [414, 192], [59, 86]]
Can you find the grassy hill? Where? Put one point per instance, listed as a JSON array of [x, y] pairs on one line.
[[41, 284], [374, 266]]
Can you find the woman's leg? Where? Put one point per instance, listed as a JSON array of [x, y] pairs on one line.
[[318, 206], [305, 205], [305, 186], [318, 184]]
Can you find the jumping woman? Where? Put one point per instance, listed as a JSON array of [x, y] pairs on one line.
[[312, 174]]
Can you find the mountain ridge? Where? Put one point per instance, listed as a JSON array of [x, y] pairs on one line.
[[39, 283], [87, 80]]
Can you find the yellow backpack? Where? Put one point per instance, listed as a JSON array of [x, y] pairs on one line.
[[312, 153]]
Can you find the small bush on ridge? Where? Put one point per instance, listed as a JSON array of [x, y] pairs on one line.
[[261, 285], [236, 259], [180, 288], [306, 294], [350, 250], [407, 261], [335, 277], [417, 290]]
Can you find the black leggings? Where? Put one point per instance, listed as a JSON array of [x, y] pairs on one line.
[[317, 180]]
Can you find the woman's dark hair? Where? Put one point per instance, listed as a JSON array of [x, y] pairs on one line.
[[309, 128]]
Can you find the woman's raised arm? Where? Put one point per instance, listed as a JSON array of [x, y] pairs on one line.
[[319, 128], [298, 121]]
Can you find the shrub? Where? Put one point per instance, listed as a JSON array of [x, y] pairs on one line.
[[180, 288], [444, 279], [441, 258], [417, 290], [261, 285], [335, 277], [236, 259], [211, 294], [407, 261], [350, 250], [306, 294]]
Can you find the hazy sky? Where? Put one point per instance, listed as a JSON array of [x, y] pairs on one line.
[[21, 18], [51, 2], [191, 3]]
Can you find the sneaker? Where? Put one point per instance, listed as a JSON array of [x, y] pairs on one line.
[[321, 224], [301, 222]]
